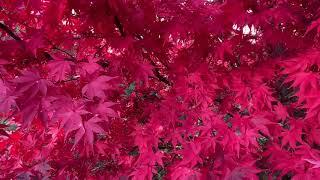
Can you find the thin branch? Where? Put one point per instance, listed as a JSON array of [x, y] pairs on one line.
[[58, 49], [100, 49], [119, 26], [157, 71], [159, 76], [159, 60], [10, 32], [64, 51], [72, 78], [17, 38]]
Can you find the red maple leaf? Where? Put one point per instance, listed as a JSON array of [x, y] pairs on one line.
[[71, 119], [293, 135], [97, 87], [88, 128], [59, 69], [104, 109], [31, 82], [305, 87], [90, 67]]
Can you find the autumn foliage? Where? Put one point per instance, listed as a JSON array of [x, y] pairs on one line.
[[160, 89]]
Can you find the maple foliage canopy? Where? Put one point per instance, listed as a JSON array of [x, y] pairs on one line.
[[159, 89]]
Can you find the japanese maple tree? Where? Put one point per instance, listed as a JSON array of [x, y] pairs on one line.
[[160, 89]]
